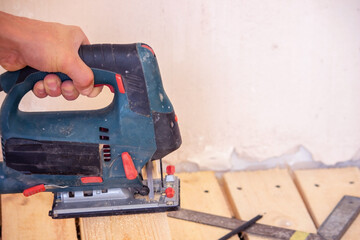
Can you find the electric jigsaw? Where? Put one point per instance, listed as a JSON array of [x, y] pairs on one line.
[[92, 160]]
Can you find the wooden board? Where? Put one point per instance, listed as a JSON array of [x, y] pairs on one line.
[[271, 192], [322, 189], [249, 192], [27, 218], [127, 227], [200, 191]]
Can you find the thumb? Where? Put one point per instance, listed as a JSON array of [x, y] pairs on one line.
[[81, 74]]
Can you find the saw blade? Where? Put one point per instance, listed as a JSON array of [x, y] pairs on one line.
[[150, 179]]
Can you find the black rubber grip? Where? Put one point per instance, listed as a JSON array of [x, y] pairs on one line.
[[117, 58], [112, 57]]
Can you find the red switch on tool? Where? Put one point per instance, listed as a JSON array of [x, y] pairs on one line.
[[33, 190], [120, 83], [170, 169], [129, 167], [170, 192]]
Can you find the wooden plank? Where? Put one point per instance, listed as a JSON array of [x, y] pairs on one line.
[[27, 218], [137, 226], [322, 189], [200, 191], [271, 192]]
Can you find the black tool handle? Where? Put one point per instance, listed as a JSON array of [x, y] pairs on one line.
[[118, 58]]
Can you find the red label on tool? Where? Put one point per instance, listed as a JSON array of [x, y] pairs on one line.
[[91, 180], [129, 167], [33, 190]]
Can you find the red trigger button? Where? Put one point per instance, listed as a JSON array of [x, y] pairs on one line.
[[120, 83]]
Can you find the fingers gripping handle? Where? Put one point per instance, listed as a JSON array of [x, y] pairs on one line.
[[110, 57], [116, 58], [101, 77]]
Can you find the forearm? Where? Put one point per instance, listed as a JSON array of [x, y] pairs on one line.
[[46, 46], [30, 42], [9, 26], [10, 41]]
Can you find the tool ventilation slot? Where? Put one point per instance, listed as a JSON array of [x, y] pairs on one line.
[[106, 151], [102, 129], [102, 136]]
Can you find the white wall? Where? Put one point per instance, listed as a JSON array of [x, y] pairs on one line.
[[255, 79]]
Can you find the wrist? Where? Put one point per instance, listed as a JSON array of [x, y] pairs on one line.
[[10, 35], [17, 32]]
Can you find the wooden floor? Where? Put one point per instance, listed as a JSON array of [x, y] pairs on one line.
[[298, 200]]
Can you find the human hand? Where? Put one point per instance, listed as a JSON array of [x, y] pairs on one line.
[[49, 47]]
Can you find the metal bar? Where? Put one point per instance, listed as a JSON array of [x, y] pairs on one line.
[[241, 228], [150, 180], [232, 223], [340, 218], [161, 173]]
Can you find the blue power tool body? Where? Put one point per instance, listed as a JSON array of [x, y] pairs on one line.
[[92, 160]]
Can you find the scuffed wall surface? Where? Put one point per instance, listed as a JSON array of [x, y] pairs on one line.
[[250, 80]]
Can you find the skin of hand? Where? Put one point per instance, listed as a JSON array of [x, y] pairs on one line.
[[48, 47]]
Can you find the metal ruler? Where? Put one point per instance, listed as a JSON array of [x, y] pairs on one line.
[[340, 219], [333, 227]]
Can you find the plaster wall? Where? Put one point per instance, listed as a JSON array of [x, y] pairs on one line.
[[249, 80]]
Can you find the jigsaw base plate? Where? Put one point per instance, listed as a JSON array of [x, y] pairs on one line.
[[115, 201]]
